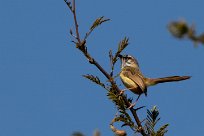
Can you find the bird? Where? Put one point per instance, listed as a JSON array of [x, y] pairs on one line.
[[135, 81]]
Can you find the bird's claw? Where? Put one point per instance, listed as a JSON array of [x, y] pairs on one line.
[[121, 92], [132, 105]]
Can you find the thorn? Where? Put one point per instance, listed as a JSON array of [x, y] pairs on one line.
[[139, 108], [70, 31], [143, 121], [138, 98], [111, 74], [73, 35], [74, 42], [68, 4]]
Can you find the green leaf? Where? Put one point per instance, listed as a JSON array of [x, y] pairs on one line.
[[68, 4], [121, 46], [162, 130], [95, 79], [178, 29], [151, 121], [98, 22]]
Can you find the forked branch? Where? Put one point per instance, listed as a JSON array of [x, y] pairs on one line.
[[81, 45]]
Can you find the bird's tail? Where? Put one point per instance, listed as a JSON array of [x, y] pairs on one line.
[[167, 79]]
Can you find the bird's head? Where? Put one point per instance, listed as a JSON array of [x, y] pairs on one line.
[[128, 61]]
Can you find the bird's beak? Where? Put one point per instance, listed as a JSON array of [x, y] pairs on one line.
[[120, 56]]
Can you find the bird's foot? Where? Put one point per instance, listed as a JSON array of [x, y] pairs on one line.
[[132, 105], [121, 92]]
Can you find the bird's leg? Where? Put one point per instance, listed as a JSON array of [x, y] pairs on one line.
[[133, 104], [122, 91], [138, 98]]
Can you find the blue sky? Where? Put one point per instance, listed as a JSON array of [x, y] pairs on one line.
[[42, 91]]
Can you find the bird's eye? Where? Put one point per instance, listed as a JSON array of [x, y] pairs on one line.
[[129, 57]]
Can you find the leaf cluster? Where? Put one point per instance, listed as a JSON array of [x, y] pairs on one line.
[[118, 100], [95, 79], [69, 5], [180, 29], [151, 121], [98, 22], [121, 46]]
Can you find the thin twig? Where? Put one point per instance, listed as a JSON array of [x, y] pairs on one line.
[[111, 62], [75, 22]]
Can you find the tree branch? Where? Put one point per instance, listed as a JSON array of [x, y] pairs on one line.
[[80, 44]]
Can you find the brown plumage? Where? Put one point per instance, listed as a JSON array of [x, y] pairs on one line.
[[134, 80]]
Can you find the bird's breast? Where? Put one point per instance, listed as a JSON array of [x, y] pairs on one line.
[[129, 84]]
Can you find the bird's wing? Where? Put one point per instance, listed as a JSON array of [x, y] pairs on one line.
[[137, 78]]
